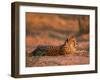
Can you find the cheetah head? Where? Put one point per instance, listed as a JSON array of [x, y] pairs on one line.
[[70, 45]]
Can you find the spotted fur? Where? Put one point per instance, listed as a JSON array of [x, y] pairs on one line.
[[69, 47]]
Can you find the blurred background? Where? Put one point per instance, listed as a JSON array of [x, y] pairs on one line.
[[53, 29]]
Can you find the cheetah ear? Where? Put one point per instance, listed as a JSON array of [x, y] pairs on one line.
[[71, 37], [66, 41]]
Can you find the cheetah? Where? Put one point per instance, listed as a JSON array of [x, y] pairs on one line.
[[69, 47]]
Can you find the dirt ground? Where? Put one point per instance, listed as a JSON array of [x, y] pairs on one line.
[[57, 60]]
